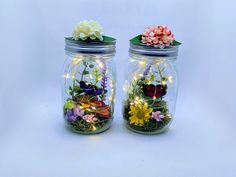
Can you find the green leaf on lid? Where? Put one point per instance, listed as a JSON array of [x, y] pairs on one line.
[[136, 40], [106, 40], [176, 43]]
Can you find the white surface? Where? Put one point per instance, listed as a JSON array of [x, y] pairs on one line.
[[201, 141]]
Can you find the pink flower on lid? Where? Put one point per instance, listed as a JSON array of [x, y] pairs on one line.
[[157, 36]]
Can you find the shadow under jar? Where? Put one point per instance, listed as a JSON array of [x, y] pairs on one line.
[[88, 86], [150, 90]]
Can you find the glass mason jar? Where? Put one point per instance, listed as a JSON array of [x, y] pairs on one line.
[[150, 90], [88, 86]]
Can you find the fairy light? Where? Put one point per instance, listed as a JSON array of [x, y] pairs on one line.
[[142, 63], [111, 85], [141, 75], [170, 79], [93, 107], [110, 98], [158, 62], [76, 60], [163, 82], [94, 128], [88, 110], [100, 64], [154, 97], [132, 60], [66, 75]]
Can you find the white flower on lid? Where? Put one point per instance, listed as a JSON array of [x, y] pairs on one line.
[[88, 29]]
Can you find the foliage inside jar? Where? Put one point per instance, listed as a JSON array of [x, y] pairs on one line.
[[145, 110], [86, 109]]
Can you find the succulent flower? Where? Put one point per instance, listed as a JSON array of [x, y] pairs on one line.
[[69, 104], [88, 29], [157, 36], [90, 118], [157, 116], [74, 113]]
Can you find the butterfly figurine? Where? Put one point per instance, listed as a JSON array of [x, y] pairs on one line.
[[156, 91], [90, 89]]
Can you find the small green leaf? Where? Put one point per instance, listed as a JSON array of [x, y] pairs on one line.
[[91, 65], [108, 39], [176, 43], [136, 40], [152, 78], [85, 72]]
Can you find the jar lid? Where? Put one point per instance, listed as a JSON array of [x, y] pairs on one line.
[[170, 51], [90, 47]]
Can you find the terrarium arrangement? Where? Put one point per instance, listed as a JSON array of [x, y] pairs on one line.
[[151, 88], [88, 85]]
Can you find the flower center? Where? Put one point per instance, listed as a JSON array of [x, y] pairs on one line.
[[140, 114]]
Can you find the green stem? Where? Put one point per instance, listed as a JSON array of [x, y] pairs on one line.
[[83, 72], [160, 72]]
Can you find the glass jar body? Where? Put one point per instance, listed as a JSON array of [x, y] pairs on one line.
[[150, 93], [88, 92]]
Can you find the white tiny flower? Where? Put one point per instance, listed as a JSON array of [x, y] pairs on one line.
[[88, 29]]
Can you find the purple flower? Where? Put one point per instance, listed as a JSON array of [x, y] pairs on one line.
[[104, 75], [104, 79], [73, 113], [146, 71], [157, 116]]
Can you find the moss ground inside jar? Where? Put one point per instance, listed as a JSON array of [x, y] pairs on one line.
[[83, 127]]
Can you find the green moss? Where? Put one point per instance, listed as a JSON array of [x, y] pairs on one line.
[[81, 126]]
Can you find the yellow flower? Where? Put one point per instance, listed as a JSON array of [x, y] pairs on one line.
[[140, 113], [88, 29]]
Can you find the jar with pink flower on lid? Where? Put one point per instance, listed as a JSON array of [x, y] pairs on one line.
[[150, 89], [88, 87]]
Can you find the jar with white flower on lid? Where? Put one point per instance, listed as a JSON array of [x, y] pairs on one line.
[[150, 90], [89, 79]]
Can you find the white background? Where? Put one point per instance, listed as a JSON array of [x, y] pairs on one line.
[[33, 140]]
